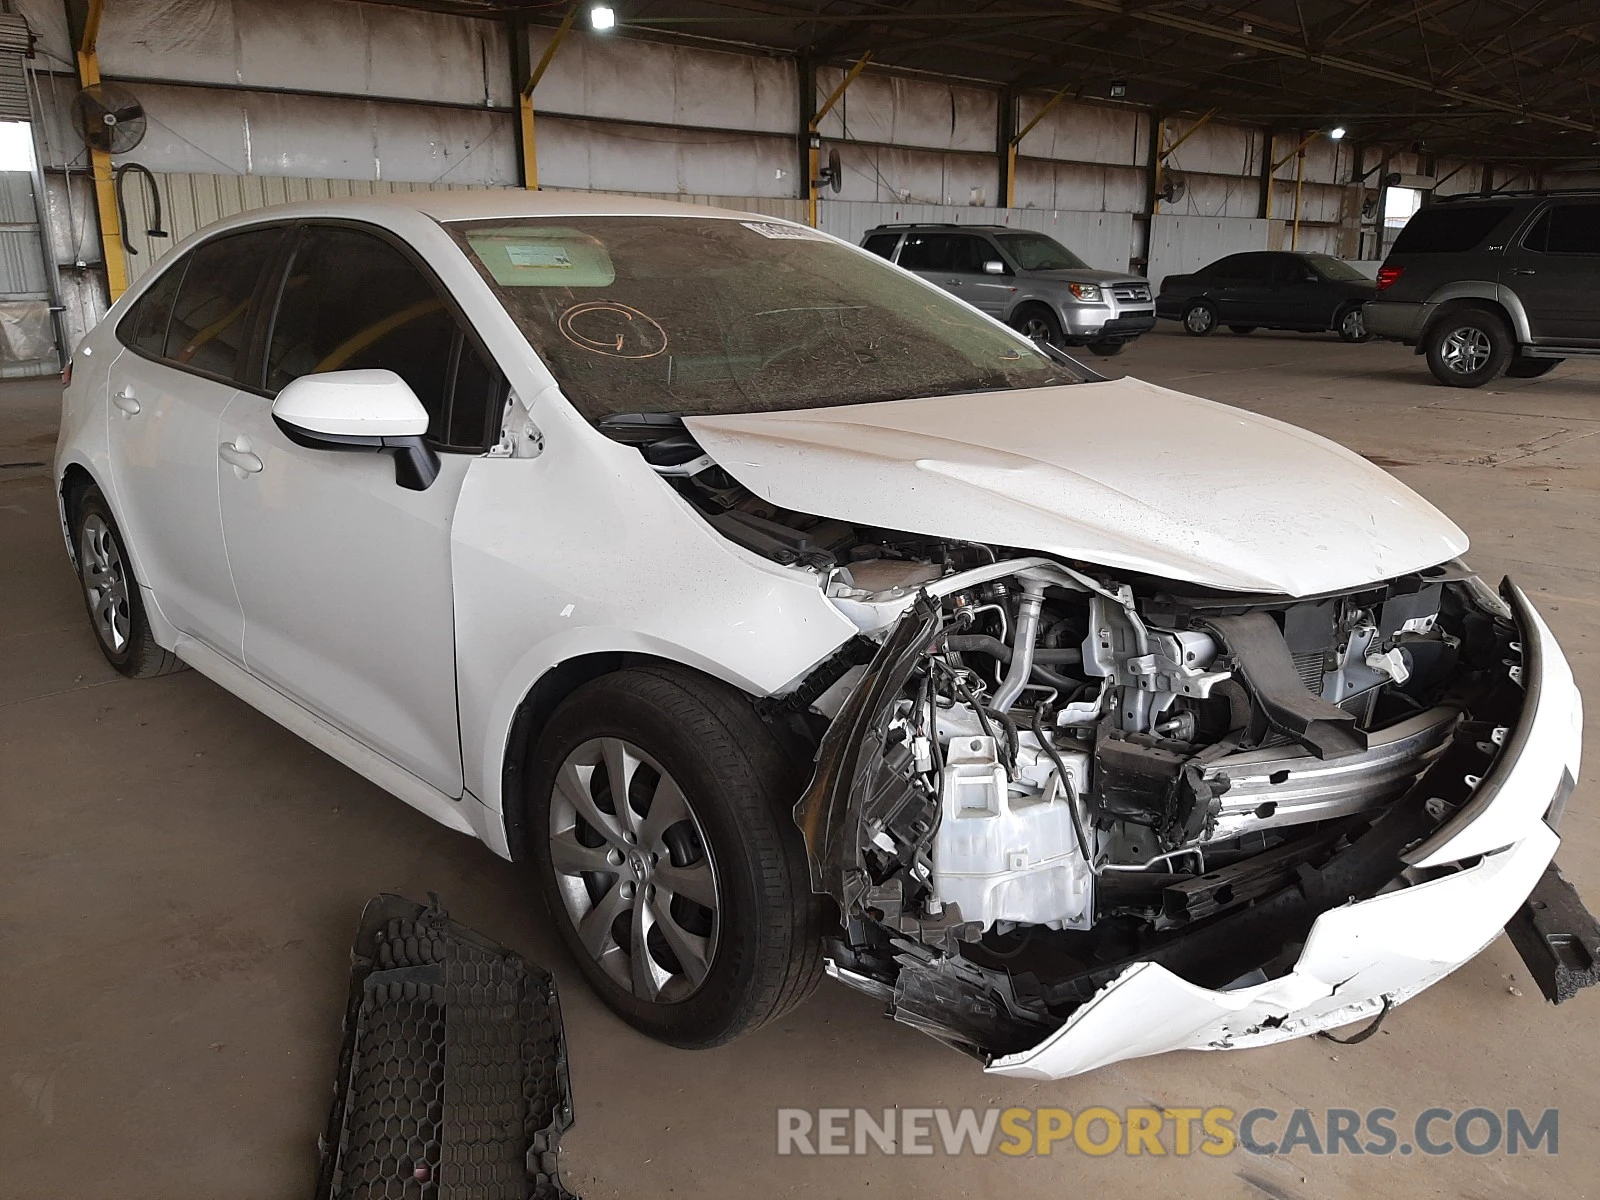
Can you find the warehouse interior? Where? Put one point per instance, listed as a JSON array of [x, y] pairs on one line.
[[186, 875]]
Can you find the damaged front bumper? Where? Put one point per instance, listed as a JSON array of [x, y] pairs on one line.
[[1442, 873]]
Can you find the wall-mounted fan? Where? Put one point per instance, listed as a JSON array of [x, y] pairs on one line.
[[831, 174], [109, 117], [1172, 188]]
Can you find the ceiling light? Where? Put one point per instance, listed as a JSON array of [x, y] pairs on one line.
[[1119, 89], [1336, 132], [602, 17]]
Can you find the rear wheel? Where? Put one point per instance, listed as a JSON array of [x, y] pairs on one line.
[[1468, 347], [1351, 325], [1107, 349], [1531, 368], [1200, 318], [1242, 330], [111, 593], [1039, 323], [661, 838]]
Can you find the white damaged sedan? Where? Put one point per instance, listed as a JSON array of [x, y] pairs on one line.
[[784, 614]]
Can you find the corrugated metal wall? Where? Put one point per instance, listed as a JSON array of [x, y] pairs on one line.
[[193, 201], [253, 101], [22, 263]]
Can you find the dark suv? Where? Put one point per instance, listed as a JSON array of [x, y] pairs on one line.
[[1030, 281], [1508, 282]]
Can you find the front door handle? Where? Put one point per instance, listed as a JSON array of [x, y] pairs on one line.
[[237, 453], [1523, 271], [126, 402]]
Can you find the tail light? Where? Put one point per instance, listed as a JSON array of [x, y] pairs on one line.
[[66, 374], [1387, 276]]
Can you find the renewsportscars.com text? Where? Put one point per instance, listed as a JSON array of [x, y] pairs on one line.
[[1212, 1131]]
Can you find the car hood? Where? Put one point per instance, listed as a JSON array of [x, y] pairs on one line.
[[1121, 473]]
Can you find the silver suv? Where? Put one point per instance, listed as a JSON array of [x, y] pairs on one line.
[[1030, 281]]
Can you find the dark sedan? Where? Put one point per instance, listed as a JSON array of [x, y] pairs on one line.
[[1275, 289]]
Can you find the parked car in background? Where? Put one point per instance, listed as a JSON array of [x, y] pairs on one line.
[[1272, 289], [1030, 281], [1490, 284]]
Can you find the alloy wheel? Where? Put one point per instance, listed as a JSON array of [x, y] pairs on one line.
[[1352, 326], [1036, 328], [1465, 350], [634, 870], [105, 582]]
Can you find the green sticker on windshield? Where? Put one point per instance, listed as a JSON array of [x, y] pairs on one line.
[[542, 256]]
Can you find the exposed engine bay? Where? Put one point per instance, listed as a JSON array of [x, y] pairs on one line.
[[1031, 773]]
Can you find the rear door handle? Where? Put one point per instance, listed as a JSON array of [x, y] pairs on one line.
[[1523, 271], [126, 402], [238, 455]]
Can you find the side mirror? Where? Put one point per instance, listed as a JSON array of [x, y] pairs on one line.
[[994, 267], [370, 411]]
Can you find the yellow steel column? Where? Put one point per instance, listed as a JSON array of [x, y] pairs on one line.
[[1299, 183], [105, 191], [530, 144], [813, 156], [1016, 140]]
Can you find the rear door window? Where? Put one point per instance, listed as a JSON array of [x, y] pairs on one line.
[[144, 328], [926, 252], [208, 330], [1226, 270], [1566, 229], [1448, 230], [1253, 268], [881, 244]]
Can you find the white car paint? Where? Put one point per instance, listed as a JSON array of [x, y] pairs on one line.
[[1395, 945], [1123, 473], [399, 631], [370, 403]]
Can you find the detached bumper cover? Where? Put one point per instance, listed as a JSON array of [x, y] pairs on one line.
[[1382, 950]]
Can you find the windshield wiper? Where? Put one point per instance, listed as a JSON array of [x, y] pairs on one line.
[[1090, 375], [638, 427]]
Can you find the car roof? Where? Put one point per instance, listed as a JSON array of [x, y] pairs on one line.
[[396, 209], [908, 226]]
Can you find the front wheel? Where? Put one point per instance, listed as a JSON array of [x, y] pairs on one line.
[[111, 593], [1352, 326], [1468, 347], [1039, 323], [1200, 318], [661, 838], [1107, 349], [1532, 368]]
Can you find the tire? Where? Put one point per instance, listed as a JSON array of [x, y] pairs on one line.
[[1468, 347], [1351, 325], [1199, 318], [1242, 330], [708, 973], [1039, 323], [1531, 368], [1107, 349], [111, 593]]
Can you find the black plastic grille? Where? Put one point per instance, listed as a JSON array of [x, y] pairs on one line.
[[453, 1080]]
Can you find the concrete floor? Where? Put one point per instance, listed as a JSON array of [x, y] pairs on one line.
[[183, 878]]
